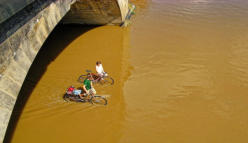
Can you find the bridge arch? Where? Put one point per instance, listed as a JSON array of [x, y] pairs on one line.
[[24, 29]]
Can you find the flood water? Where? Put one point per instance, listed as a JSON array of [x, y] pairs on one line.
[[180, 70]]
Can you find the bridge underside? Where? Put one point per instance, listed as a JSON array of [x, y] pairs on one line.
[[23, 34], [98, 12]]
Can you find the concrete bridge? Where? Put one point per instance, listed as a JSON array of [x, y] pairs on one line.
[[26, 24]]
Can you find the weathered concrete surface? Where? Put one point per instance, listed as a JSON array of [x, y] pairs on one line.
[[10, 7], [18, 52], [97, 12], [23, 34]]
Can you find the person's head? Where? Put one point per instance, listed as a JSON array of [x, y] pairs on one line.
[[90, 76], [98, 63]]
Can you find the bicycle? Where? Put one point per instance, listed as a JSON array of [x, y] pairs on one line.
[[94, 99], [104, 80]]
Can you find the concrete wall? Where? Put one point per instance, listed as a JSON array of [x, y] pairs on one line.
[[18, 52], [10, 7], [97, 12], [123, 5], [23, 34]]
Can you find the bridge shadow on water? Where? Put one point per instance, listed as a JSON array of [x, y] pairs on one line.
[[45, 56]]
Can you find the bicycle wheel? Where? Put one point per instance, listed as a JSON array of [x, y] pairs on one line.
[[66, 97], [82, 78], [79, 100], [99, 100], [107, 81]]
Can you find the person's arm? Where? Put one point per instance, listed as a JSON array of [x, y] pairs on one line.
[[84, 88], [91, 84]]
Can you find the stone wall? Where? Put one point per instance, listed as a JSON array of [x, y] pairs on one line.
[[23, 34], [123, 5], [18, 52], [10, 7], [98, 12]]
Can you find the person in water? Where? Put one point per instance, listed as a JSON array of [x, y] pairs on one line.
[[99, 70], [88, 86]]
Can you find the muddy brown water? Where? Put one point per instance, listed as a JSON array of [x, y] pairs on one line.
[[180, 70]]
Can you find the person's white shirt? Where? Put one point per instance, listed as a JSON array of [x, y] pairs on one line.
[[99, 69]]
